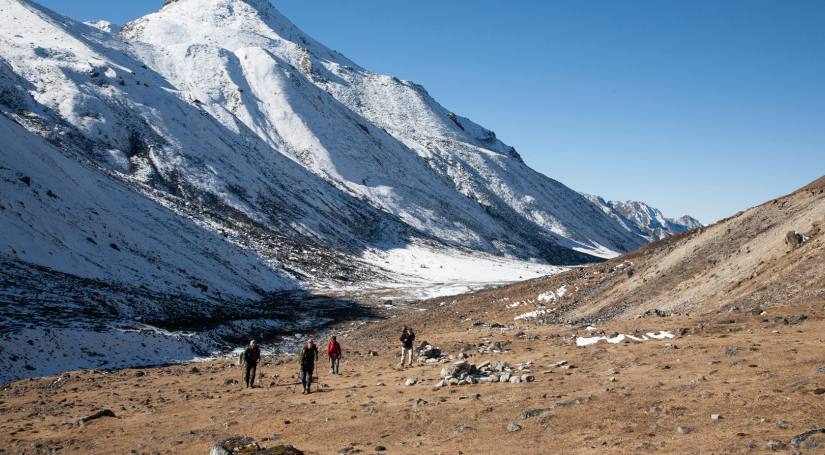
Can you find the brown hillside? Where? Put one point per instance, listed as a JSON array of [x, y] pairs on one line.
[[743, 261]]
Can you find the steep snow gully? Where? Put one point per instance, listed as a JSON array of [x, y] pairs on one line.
[[207, 171]]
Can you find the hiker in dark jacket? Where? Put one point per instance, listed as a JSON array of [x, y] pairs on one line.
[[407, 339], [307, 358], [250, 358], [334, 353]]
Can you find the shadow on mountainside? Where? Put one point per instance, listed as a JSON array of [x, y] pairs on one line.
[[39, 304]]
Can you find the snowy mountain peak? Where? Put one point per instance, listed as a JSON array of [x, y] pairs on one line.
[[643, 220], [104, 26], [211, 154]]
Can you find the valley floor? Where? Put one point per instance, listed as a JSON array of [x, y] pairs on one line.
[[762, 375]]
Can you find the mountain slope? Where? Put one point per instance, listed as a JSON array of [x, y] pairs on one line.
[[373, 136], [643, 220], [764, 257], [211, 156]]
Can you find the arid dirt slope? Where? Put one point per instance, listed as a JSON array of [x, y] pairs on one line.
[[743, 261], [743, 373]]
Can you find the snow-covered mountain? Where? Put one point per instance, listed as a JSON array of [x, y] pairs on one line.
[[643, 220], [211, 154]]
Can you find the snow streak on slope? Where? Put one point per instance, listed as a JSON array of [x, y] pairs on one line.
[[643, 220]]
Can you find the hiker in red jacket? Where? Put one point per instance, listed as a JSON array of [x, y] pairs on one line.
[[334, 353]]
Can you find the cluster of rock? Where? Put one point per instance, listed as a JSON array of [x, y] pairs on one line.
[[429, 354], [462, 373]]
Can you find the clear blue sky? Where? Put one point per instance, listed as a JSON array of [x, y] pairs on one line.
[[699, 107]]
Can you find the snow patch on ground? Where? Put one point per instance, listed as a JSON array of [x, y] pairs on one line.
[[531, 314], [552, 296], [438, 272], [587, 341]]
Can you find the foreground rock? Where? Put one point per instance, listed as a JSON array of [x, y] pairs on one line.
[[248, 446]]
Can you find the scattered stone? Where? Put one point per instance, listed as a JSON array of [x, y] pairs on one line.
[[230, 381], [707, 394], [775, 446], [799, 439], [534, 413], [512, 427], [819, 391], [411, 382], [684, 430], [782, 425], [715, 417], [461, 429]]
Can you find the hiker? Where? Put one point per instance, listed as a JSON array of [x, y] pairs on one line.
[[307, 358], [407, 339], [334, 353], [250, 358]]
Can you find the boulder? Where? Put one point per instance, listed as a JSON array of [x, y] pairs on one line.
[[794, 239], [534, 413], [234, 445], [429, 352], [458, 368], [248, 446]]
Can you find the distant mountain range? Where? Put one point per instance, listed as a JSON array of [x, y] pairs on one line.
[[643, 220]]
